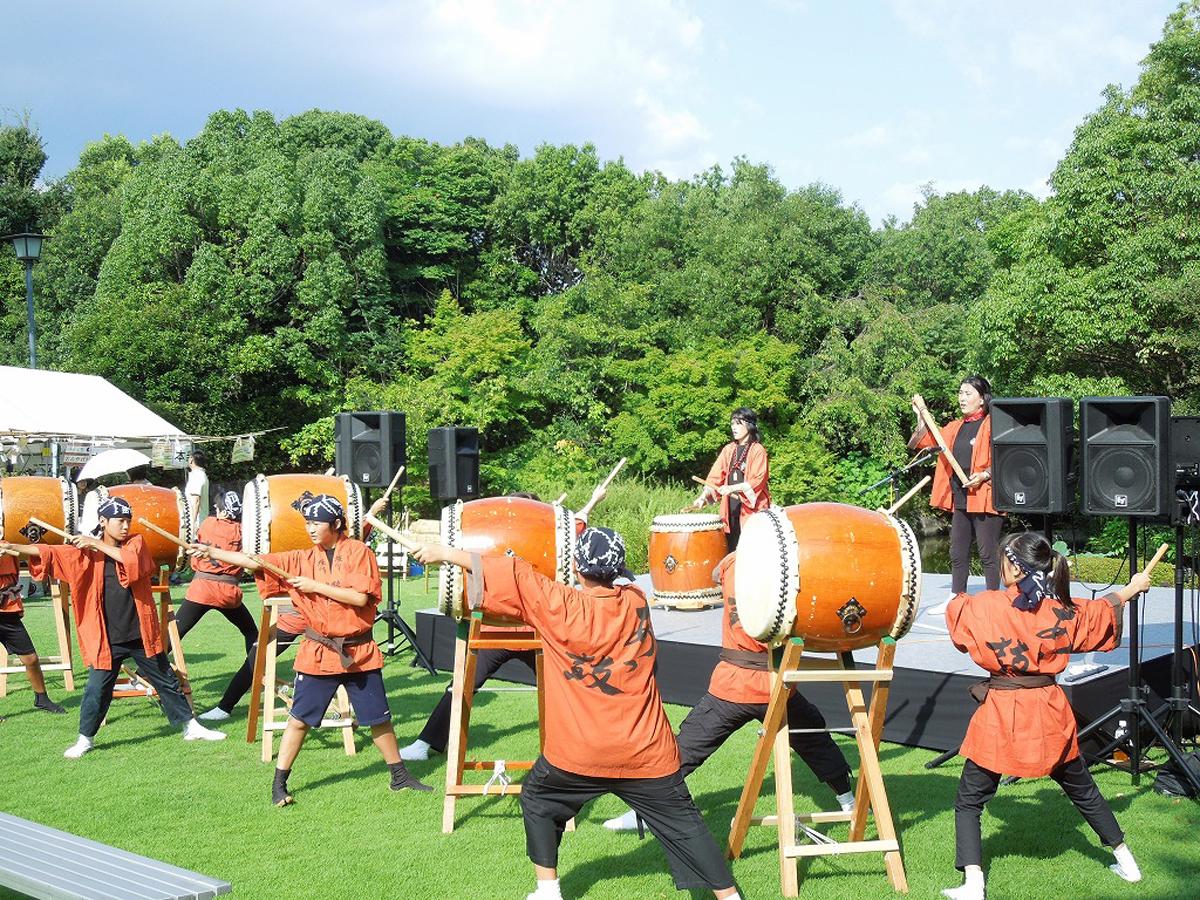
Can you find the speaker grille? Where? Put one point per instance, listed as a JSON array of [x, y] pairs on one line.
[[1023, 479], [1123, 478]]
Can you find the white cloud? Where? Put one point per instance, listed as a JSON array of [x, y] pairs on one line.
[[875, 136], [899, 198]]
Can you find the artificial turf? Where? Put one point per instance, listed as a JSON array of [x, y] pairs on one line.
[[205, 806]]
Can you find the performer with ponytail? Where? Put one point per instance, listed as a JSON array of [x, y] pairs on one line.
[[1024, 726], [970, 505], [739, 476]]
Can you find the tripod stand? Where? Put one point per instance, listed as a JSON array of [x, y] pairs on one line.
[[399, 631], [1133, 708]]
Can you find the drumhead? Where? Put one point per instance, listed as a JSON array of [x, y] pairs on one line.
[[910, 561], [687, 522], [450, 578], [767, 575], [256, 517]]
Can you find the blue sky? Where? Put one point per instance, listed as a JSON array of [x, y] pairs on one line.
[[873, 97]]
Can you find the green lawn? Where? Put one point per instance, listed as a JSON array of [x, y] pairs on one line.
[[206, 807]]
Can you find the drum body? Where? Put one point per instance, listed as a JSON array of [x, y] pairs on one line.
[[684, 550], [840, 577], [271, 518], [53, 500], [540, 533], [166, 508]]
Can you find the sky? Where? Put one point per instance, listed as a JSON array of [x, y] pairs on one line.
[[875, 98]]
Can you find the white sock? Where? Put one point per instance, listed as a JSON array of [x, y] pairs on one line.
[[846, 801], [972, 887], [546, 890], [80, 747], [627, 821], [216, 714], [194, 731], [1126, 866], [417, 751]]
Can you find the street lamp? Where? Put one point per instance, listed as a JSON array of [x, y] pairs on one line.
[[29, 248]]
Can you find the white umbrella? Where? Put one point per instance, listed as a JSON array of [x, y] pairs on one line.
[[122, 459]]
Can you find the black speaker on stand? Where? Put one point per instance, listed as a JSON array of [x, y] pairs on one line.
[[453, 463], [1033, 456], [370, 448]]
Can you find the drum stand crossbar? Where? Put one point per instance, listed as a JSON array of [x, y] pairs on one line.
[[467, 645], [132, 685], [60, 605], [870, 794], [264, 686]]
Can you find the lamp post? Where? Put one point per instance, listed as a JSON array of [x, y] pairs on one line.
[[29, 248]]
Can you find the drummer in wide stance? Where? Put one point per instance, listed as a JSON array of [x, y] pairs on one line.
[[739, 476], [739, 692], [1024, 635], [117, 619], [335, 586], [606, 730]]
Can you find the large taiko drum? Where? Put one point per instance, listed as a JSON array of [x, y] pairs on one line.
[[166, 508], [684, 550], [841, 577], [53, 500], [542, 534], [272, 521]]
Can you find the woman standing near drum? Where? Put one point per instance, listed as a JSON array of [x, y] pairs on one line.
[[739, 476], [970, 505]]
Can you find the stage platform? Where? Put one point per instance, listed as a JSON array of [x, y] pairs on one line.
[[929, 705]]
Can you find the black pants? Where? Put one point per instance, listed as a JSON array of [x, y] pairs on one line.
[[239, 684], [551, 797], [713, 720], [978, 785], [436, 732], [986, 528], [242, 619], [98, 694]]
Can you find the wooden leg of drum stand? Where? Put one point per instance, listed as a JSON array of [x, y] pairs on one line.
[[260, 667], [60, 601], [772, 722], [266, 687], [170, 633], [868, 727], [462, 694]]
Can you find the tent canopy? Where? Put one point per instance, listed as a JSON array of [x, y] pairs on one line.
[[40, 402]]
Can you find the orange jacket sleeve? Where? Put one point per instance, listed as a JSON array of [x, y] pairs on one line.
[[512, 588], [63, 563], [136, 562], [720, 467], [758, 471], [271, 585], [1097, 625]]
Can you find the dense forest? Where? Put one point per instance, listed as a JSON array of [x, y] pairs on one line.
[[273, 272]]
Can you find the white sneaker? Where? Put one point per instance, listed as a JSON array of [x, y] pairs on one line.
[[846, 801], [417, 751], [80, 747], [194, 731], [965, 892], [216, 714], [626, 822]]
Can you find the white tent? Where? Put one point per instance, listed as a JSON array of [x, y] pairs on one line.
[[44, 404]]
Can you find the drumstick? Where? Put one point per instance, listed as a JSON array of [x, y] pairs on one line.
[[395, 481], [174, 539], [272, 568], [561, 500], [613, 474], [8, 552], [933, 429], [891, 510], [700, 481], [46, 526], [1157, 558], [393, 534]]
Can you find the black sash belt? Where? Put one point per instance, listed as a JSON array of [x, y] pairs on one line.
[[979, 689], [745, 659], [339, 644], [214, 576]]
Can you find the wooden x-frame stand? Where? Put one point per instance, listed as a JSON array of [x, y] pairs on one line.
[[60, 604], [870, 795]]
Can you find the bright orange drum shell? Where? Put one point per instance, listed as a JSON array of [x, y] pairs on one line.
[[53, 500], [540, 533], [271, 517], [838, 576], [684, 550], [166, 508]]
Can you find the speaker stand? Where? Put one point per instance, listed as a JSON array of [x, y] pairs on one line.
[[391, 614], [1133, 708]]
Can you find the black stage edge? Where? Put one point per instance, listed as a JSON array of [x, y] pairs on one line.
[[926, 709]]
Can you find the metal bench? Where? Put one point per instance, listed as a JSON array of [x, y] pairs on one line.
[[44, 862]]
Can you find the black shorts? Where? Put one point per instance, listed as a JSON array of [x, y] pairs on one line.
[[313, 693], [14, 636]]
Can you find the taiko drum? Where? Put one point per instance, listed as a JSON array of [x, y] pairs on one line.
[[53, 500], [684, 550], [272, 517], [166, 508]]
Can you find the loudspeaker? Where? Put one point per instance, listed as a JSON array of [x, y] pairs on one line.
[[1033, 454], [453, 463], [1126, 456], [370, 446]]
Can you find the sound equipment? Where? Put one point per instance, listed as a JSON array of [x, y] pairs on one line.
[[1033, 454], [1126, 456], [370, 446], [453, 463]]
